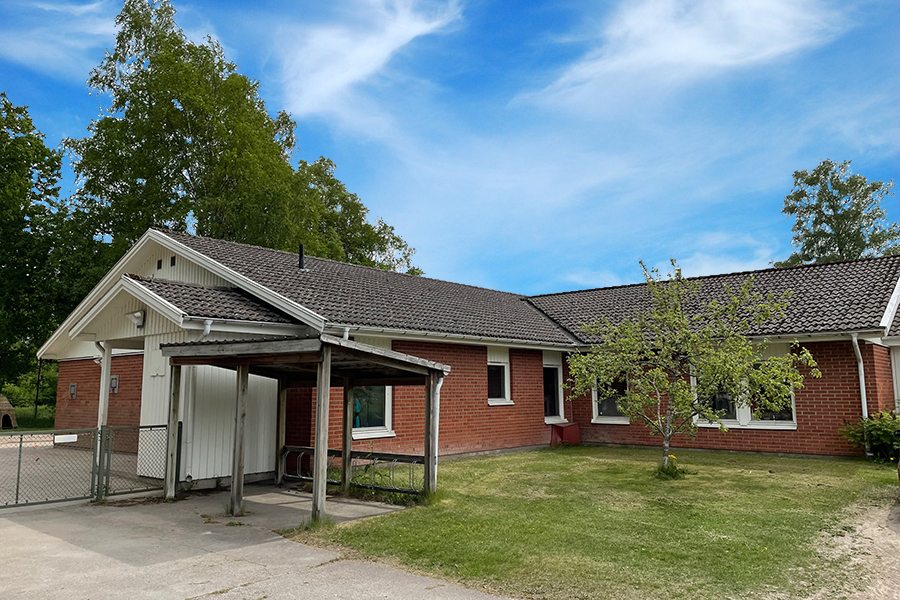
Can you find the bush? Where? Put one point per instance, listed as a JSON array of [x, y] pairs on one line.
[[876, 432]]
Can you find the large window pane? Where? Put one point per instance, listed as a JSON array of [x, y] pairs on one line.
[[723, 401], [551, 392], [369, 406], [496, 381], [609, 407]]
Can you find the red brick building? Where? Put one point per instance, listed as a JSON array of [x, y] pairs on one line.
[[507, 352]]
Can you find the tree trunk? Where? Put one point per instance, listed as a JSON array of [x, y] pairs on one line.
[[665, 462]]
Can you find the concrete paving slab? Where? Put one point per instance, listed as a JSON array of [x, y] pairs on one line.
[[142, 548]]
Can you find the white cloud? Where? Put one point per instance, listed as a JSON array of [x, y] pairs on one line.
[[717, 252], [64, 40], [323, 63], [661, 44]]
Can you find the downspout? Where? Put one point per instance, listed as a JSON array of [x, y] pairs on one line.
[[437, 419], [346, 333], [862, 375]]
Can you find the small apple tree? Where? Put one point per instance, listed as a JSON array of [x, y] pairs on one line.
[[657, 351]]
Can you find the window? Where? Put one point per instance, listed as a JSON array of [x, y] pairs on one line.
[[553, 392], [499, 393], [741, 417], [607, 410], [372, 405], [722, 401]]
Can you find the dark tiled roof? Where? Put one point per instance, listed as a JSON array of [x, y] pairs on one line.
[[212, 302], [845, 296], [354, 295]]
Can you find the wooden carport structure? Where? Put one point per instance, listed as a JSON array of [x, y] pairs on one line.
[[322, 362]]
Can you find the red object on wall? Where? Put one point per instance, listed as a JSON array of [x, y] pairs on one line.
[[565, 433]]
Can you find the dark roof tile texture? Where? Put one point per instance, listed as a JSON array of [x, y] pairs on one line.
[[836, 297], [212, 302], [349, 294]]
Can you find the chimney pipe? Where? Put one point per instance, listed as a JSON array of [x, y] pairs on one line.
[[301, 256]]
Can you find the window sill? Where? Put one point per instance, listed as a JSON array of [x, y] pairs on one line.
[[555, 420], [500, 402], [611, 421], [771, 425], [371, 434]]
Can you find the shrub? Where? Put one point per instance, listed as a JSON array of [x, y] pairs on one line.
[[876, 432]]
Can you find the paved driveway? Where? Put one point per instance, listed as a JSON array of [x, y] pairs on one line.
[[187, 549]]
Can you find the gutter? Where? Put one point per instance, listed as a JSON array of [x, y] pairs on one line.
[[338, 329], [862, 374]]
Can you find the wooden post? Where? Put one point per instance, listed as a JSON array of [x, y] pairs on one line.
[[172, 431], [432, 410], [237, 462], [320, 463], [347, 437], [105, 376], [282, 432]]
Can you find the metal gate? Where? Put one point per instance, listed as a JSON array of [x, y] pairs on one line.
[[37, 467]]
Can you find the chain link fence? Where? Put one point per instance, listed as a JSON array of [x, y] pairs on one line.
[[53, 466], [47, 466]]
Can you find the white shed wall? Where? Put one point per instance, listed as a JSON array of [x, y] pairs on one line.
[[207, 411]]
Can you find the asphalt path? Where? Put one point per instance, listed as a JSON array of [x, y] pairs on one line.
[[143, 548]]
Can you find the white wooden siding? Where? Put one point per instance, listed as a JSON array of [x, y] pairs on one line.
[[184, 270], [207, 411], [210, 452]]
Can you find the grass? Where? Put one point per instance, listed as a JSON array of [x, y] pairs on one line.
[[26, 421], [594, 522]]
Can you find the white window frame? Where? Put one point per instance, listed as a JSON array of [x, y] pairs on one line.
[[553, 359], [599, 419], [371, 433], [744, 414], [386, 431], [499, 357]]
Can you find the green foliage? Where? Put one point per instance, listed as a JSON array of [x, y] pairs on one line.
[[671, 470], [659, 350], [26, 421], [186, 143], [46, 260], [876, 432], [22, 391], [838, 216]]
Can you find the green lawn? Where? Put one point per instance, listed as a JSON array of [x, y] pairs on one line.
[[592, 522], [26, 421]]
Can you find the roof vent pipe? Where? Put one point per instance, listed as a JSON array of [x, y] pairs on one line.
[[301, 256]]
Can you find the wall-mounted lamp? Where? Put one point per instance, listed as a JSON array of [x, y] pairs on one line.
[[138, 317], [73, 389], [114, 384]]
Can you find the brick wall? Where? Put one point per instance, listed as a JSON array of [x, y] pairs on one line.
[[879, 378], [821, 408], [81, 412], [467, 423]]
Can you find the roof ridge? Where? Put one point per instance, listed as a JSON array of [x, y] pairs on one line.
[[339, 262], [750, 272]]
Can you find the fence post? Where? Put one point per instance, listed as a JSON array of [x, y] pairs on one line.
[[110, 442], [101, 464], [95, 468], [178, 458], [19, 470]]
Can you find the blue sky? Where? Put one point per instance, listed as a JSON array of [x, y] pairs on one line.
[[537, 146]]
